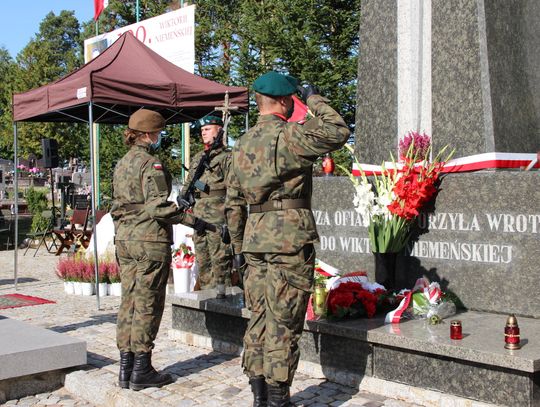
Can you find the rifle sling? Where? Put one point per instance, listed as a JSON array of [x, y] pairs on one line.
[[278, 205]]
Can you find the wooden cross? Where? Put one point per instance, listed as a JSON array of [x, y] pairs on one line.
[[226, 110]]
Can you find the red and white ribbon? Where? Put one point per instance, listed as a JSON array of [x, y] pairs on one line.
[[325, 269], [475, 162], [432, 292], [394, 317]]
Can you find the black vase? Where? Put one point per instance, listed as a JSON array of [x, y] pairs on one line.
[[385, 269]]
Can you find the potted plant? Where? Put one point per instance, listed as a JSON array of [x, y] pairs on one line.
[[75, 273], [88, 277], [63, 272], [103, 285], [113, 271]]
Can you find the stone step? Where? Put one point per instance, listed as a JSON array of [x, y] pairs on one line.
[[99, 389], [33, 359]]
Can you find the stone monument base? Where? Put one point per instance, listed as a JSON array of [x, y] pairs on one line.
[[34, 360], [412, 353]]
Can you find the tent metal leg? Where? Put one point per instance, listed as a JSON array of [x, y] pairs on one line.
[[16, 206], [94, 199]]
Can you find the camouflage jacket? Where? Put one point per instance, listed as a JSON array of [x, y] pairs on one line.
[[140, 210], [212, 208], [273, 161]]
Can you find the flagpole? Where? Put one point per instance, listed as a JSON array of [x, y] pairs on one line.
[[95, 142], [183, 154]]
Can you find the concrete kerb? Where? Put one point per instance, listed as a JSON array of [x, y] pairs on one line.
[[100, 391]]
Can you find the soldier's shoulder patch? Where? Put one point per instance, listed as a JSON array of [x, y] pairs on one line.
[[157, 166]]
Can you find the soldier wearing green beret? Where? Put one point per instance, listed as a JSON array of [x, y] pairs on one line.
[[214, 257], [143, 220], [268, 209]]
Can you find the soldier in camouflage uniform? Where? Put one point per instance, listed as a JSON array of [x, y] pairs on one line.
[[268, 212], [213, 256], [143, 220]]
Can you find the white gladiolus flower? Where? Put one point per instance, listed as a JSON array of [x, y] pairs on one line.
[[363, 201]]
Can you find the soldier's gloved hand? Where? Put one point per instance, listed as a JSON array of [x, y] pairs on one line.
[[238, 261], [224, 233], [306, 91], [182, 203], [200, 225]]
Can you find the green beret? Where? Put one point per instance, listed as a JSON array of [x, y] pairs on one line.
[[146, 121], [275, 84], [206, 120]]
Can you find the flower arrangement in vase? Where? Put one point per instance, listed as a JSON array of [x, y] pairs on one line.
[[390, 202], [183, 259]]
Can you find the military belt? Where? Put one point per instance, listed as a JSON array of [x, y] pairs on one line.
[[133, 207], [215, 192], [278, 205]]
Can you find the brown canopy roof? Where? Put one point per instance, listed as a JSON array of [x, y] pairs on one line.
[[126, 76]]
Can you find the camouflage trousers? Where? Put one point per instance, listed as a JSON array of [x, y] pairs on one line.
[[277, 290], [144, 269], [214, 259]]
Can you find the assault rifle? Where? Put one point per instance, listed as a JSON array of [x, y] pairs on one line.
[[187, 199]]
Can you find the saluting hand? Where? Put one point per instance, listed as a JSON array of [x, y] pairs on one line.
[[306, 91]]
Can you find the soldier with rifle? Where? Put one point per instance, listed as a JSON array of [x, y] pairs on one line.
[[205, 193]]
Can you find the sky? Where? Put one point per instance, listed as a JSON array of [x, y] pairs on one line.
[[19, 20]]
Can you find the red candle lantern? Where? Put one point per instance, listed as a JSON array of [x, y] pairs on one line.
[[328, 165], [511, 333], [455, 330]]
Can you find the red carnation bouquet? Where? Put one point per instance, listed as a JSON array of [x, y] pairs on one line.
[[354, 296]]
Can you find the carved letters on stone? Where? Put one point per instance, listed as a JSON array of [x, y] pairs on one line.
[[469, 248]]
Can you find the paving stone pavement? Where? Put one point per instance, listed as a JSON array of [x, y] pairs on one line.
[[202, 377]]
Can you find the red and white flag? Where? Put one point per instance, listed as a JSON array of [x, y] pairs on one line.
[[99, 6]]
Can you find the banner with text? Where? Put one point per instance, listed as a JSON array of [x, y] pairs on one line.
[[171, 35]]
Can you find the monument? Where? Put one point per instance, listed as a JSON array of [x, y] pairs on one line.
[[467, 76], [466, 73]]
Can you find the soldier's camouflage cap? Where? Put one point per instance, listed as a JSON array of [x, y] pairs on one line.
[[146, 121], [275, 84]]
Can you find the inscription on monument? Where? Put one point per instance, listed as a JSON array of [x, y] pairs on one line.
[[481, 240], [459, 250]]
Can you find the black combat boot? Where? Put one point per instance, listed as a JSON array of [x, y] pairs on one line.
[[259, 390], [278, 395], [126, 367], [144, 375]]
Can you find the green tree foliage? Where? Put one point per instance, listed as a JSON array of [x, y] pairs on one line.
[[37, 203], [53, 52], [7, 67], [316, 41], [111, 148]]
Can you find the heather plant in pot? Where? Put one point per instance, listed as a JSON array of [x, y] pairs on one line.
[[113, 272]]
